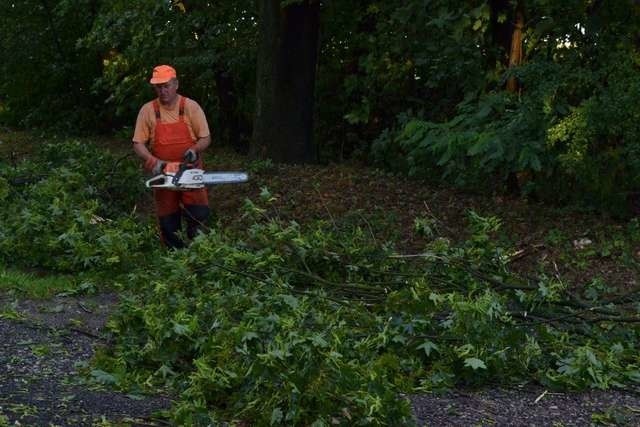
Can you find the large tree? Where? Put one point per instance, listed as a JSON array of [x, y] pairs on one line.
[[45, 78], [286, 72]]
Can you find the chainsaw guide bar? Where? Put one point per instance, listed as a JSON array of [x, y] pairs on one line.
[[181, 177]]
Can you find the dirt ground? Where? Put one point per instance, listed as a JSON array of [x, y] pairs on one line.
[[530, 407], [43, 347]]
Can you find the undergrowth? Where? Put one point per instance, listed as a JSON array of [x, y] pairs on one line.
[[30, 285], [292, 325], [70, 207], [277, 323]]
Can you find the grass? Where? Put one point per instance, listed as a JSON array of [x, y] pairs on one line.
[[33, 286]]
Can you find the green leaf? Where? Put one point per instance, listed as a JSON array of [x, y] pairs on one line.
[[428, 346], [180, 329], [534, 162], [399, 339], [318, 341], [248, 336], [165, 371], [479, 147], [291, 301], [474, 363], [103, 377], [446, 156], [135, 396], [633, 375], [276, 416]]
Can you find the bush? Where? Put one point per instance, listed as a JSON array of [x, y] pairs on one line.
[[70, 208], [488, 140]]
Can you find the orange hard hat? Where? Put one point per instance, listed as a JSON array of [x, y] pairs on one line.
[[162, 74]]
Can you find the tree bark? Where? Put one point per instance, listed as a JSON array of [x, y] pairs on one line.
[[286, 72], [516, 180], [508, 35], [515, 54]]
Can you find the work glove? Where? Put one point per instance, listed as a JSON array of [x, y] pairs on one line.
[[149, 164], [190, 156], [158, 167]]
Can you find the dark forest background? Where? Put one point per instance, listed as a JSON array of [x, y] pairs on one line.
[[533, 97]]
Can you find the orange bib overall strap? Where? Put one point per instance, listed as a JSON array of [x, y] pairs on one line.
[[170, 142], [171, 139]]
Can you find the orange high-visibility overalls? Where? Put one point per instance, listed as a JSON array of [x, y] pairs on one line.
[[170, 142]]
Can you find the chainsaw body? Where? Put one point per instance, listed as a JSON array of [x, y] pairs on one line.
[[183, 177]]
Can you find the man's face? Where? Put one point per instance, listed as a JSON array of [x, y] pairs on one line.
[[167, 92]]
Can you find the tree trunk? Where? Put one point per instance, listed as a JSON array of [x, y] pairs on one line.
[[516, 180], [515, 55], [286, 72], [230, 127]]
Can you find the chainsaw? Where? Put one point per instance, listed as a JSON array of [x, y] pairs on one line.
[[179, 176]]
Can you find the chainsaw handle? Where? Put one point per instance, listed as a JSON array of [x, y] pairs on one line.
[[176, 178]]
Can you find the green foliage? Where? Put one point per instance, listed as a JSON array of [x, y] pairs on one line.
[[370, 70], [202, 40], [432, 95], [283, 324], [597, 141], [287, 325], [71, 208], [32, 286], [272, 351], [614, 416], [560, 133], [46, 78], [569, 131], [484, 143]]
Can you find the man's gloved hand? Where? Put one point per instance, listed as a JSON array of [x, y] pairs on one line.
[[158, 167], [190, 156]]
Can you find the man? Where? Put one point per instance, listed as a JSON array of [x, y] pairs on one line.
[[176, 130]]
